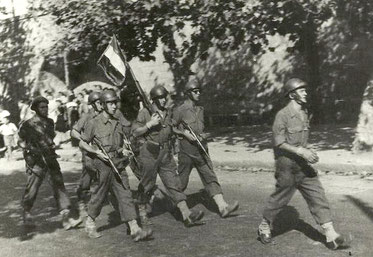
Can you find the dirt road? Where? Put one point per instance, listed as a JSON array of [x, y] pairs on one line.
[[350, 198]]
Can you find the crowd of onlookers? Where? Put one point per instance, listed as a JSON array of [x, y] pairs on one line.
[[65, 108]]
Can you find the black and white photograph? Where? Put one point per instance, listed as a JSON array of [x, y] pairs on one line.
[[186, 128]]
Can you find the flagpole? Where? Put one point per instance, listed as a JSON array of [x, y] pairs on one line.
[[137, 83]]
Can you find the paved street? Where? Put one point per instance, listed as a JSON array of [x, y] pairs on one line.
[[349, 196]]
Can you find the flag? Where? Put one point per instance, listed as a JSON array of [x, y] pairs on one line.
[[113, 62]]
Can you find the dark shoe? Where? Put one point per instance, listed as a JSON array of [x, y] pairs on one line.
[[340, 242], [142, 234], [230, 209], [193, 219], [264, 232], [90, 228]]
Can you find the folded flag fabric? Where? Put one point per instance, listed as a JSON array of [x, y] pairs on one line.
[[113, 62]]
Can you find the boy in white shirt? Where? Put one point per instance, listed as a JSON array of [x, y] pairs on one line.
[[9, 131]]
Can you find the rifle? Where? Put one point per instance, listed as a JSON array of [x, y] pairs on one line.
[[199, 143], [113, 167], [128, 146]]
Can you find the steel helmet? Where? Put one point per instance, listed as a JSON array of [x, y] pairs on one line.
[[191, 85], [158, 92], [293, 84], [93, 97], [37, 100], [108, 96]]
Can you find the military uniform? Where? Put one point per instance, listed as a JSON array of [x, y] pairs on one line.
[[155, 158], [88, 171], [127, 125], [292, 171], [190, 154], [40, 159], [109, 133]]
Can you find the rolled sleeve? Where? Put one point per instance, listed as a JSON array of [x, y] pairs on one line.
[[279, 130], [140, 120], [88, 133], [79, 126]]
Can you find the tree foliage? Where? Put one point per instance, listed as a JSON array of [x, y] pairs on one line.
[[189, 29]]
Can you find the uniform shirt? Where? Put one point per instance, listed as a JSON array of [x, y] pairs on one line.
[[291, 127], [109, 132], [125, 123], [160, 133], [38, 133], [8, 129], [82, 122], [194, 117]]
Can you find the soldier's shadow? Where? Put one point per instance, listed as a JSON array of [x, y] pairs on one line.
[[288, 220], [198, 198], [45, 212], [201, 197]]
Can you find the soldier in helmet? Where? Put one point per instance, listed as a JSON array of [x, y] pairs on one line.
[[294, 167], [36, 139], [154, 132], [190, 155], [88, 171], [106, 128]]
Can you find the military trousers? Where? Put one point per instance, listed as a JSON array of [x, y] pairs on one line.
[[187, 161], [86, 178], [292, 175], [155, 160], [108, 182], [37, 168]]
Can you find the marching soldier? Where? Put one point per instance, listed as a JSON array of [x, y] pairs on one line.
[[190, 153], [36, 139], [294, 167], [88, 171], [107, 130], [154, 131]]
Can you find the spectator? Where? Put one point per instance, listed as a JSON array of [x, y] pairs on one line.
[[61, 123], [73, 117], [8, 130], [82, 104], [52, 107]]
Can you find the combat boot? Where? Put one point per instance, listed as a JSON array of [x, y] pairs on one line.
[[194, 219], [90, 228], [229, 209], [67, 221], [145, 221], [264, 232], [142, 234], [82, 211]]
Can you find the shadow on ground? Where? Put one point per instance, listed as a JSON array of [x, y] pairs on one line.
[[288, 219], [363, 207], [45, 213], [259, 137]]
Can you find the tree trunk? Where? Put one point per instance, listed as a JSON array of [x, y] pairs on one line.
[[66, 68], [312, 57], [364, 131]]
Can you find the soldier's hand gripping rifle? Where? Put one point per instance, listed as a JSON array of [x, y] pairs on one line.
[[113, 167], [199, 143]]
